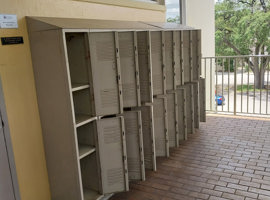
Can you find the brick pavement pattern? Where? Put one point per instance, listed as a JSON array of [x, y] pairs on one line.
[[228, 158]]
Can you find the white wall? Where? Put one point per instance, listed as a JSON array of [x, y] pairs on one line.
[[201, 14]]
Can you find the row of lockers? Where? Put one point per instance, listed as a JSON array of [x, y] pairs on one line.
[[117, 100], [164, 124], [137, 65]]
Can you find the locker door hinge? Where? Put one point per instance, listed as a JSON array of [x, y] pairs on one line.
[[124, 158], [2, 122]]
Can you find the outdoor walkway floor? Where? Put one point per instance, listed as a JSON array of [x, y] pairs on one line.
[[227, 158]]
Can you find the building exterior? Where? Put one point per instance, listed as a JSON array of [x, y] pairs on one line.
[[17, 73]]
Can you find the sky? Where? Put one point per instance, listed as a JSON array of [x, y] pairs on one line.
[[172, 8]]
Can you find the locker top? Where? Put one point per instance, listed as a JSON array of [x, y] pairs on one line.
[[96, 25]]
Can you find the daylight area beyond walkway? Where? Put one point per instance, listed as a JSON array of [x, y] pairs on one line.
[[227, 158]]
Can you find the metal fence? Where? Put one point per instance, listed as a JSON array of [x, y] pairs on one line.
[[237, 84]]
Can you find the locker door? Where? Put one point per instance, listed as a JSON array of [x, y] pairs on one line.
[[195, 55], [177, 57], [157, 70], [171, 120], [148, 138], [169, 60], [160, 126], [104, 73], [186, 56], [190, 108], [112, 154], [134, 141], [145, 66], [182, 123], [128, 69], [196, 100], [202, 100]]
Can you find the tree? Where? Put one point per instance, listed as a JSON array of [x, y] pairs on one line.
[[175, 19], [243, 28]]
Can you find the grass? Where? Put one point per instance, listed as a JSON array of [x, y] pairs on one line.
[[249, 88]]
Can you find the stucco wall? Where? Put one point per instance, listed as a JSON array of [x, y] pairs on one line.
[[201, 14], [19, 88]]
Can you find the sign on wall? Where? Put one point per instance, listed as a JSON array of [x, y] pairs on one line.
[[8, 21]]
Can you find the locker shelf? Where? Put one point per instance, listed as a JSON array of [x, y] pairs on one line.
[[78, 86], [82, 119], [90, 194], [85, 150]]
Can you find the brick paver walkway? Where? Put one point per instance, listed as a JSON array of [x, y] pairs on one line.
[[228, 158]]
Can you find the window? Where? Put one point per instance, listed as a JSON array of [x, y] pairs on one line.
[[175, 11]]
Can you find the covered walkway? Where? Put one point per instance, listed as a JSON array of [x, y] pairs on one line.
[[228, 158]]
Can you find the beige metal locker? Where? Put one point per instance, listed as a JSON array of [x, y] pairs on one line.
[[113, 157], [148, 137], [145, 66], [182, 119], [128, 52], [158, 62], [187, 60], [161, 126], [80, 75], [134, 142], [169, 61], [177, 58], [172, 106], [105, 68], [77, 64], [202, 100]]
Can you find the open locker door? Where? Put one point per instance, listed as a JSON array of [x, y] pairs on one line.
[[157, 63], [172, 119], [134, 141], [161, 127], [202, 100], [148, 138], [104, 64], [182, 120], [112, 153], [129, 69]]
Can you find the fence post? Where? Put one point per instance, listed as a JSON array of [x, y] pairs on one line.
[[235, 86]]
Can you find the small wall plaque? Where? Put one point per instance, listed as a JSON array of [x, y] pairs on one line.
[[8, 21], [11, 40]]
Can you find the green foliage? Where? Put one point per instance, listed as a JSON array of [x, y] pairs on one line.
[[175, 19], [241, 26]]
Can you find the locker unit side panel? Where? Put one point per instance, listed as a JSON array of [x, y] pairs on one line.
[[57, 121]]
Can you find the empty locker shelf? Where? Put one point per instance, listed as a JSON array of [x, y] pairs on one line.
[[82, 119], [78, 86], [90, 194], [85, 150]]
